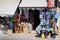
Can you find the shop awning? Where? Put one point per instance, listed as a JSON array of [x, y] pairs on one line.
[[33, 3], [8, 7]]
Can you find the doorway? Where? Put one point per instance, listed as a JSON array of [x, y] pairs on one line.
[[34, 17]]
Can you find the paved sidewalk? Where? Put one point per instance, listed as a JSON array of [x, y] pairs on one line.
[[25, 36], [22, 37]]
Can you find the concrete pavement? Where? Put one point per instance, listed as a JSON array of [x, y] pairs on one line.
[[22, 36]]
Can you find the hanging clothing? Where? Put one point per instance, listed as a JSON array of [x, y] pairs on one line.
[[42, 21], [26, 14], [51, 3], [39, 28], [47, 21], [19, 18], [23, 24], [11, 25], [41, 14], [48, 14], [30, 27]]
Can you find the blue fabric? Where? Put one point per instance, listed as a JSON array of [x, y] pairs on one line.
[[47, 21], [53, 19], [53, 13], [48, 30], [41, 12], [53, 9], [48, 14], [42, 21], [53, 36], [39, 27], [11, 25], [47, 1], [3, 32], [40, 32], [57, 15]]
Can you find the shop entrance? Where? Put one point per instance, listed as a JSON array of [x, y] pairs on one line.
[[34, 18]]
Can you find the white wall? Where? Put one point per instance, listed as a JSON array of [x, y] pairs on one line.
[[58, 10], [58, 22]]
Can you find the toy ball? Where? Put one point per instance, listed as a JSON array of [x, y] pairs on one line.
[[51, 29]]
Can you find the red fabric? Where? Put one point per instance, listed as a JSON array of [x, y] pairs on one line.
[[51, 3], [19, 18]]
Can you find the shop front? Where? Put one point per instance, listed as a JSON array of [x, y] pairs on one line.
[[35, 15], [32, 12]]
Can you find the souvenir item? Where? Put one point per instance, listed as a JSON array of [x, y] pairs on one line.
[[43, 36]]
